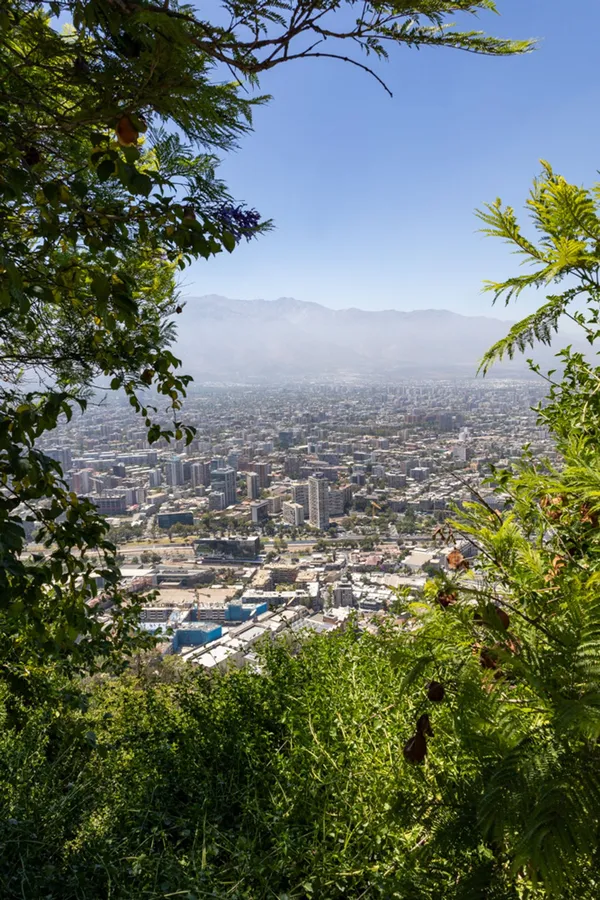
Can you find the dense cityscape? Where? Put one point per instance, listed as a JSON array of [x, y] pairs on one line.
[[291, 507]]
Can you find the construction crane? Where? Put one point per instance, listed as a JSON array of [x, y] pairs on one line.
[[374, 506]]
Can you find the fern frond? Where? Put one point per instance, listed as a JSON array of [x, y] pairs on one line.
[[587, 660], [513, 287], [536, 328], [502, 222], [549, 796]]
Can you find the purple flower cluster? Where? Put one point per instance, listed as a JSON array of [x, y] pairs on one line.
[[240, 222]]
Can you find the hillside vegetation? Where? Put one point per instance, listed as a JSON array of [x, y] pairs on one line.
[[289, 784]]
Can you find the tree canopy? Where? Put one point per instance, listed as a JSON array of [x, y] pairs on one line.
[[112, 116]]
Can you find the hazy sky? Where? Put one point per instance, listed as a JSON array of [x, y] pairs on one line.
[[373, 198]]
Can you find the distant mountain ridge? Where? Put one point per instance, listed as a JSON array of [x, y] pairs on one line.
[[220, 339]]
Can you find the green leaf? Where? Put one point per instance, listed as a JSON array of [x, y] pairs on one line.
[[106, 169], [101, 286], [140, 184], [228, 241], [132, 154]]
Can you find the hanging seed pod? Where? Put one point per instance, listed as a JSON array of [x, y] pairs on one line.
[[32, 156], [415, 750], [558, 564], [127, 133], [552, 507], [80, 65], [424, 725], [456, 560], [128, 45], [435, 692], [488, 658], [504, 618], [446, 598], [588, 515]]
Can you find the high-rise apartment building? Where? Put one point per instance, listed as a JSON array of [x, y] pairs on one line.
[[225, 480], [318, 501], [342, 594], [97, 485], [154, 478], [263, 470], [291, 466], [61, 455], [253, 485], [300, 495], [200, 474], [395, 479], [336, 500], [275, 504], [216, 500], [174, 472], [80, 481]]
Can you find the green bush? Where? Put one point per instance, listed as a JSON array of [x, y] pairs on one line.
[[288, 784]]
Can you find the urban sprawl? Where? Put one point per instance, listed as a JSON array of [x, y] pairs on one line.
[[293, 507]]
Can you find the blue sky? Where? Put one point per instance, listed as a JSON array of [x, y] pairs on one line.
[[373, 198]]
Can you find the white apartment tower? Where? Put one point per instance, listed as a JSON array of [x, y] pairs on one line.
[[300, 495], [225, 481], [318, 501], [174, 471]]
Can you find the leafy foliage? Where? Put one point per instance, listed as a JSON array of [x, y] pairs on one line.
[[567, 221], [111, 116], [530, 611], [291, 783]]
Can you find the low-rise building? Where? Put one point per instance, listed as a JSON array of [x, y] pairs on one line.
[[342, 594], [168, 519], [259, 511], [216, 501], [293, 513]]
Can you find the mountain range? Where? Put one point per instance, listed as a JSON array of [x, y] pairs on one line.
[[243, 341]]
